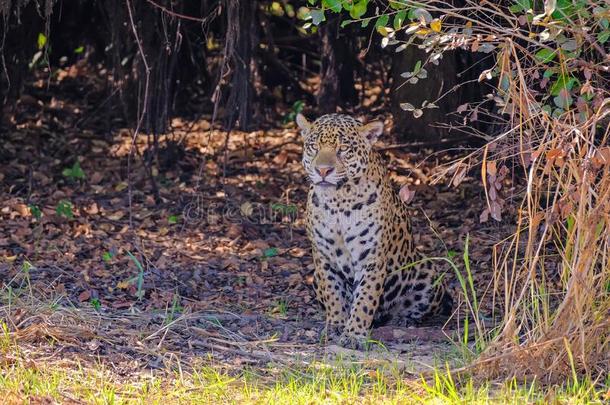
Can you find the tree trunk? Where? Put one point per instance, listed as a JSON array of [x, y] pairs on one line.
[[337, 69], [21, 24], [242, 36]]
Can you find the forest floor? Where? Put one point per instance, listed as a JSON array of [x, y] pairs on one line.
[[210, 279]]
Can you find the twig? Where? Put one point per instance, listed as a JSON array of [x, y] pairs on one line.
[[419, 145], [86, 117], [213, 336], [178, 15], [252, 354], [142, 113], [261, 152]]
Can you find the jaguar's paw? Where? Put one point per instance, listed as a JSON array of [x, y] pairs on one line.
[[352, 341]]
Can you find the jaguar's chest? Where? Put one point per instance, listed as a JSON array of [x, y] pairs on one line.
[[344, 225]]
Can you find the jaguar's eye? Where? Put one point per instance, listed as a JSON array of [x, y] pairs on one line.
[[343, 148]]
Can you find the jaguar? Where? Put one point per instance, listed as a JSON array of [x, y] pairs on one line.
[[367, 269]]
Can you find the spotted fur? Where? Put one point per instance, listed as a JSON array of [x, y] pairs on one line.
[[361, 233]]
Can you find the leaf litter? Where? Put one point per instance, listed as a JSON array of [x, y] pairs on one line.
[[219, 266]]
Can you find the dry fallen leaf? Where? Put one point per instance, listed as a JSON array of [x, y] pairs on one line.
[[281, 158], [116, 215], [92, 209], [460, 174], [96, 178], [491, 167], [406, 194], [436, 25], [22, 209], [84, 296], [121, 186]]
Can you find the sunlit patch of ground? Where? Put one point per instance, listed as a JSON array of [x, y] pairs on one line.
[[68, 355]]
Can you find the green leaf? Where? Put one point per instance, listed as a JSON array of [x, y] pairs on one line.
[[599, 228], [75, 172], [26, 266], [569, 45], [276, 9], [35, 211], [520, 5], [548, 73], [545, 55], [602, 37], [298, 106], [64, 209], [317, 16], [563, 99], [42, 40], [270, 252], [284, 209], [398, 5], [564, 10], [547, 109], [289, 10], [365, 22], [570, 221], [172, 219], [418, 13], [359, 9], [140, 278], [96, 304], [334, 5], [382, 21], [79, 50], [107, 256], [277, 206], [383, 30], [345, 23], [347, 5], [563, 82], [417, 67], [303, 13], [399, 19], [504, 83]]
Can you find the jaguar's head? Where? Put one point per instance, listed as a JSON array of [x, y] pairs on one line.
[[336, 148]]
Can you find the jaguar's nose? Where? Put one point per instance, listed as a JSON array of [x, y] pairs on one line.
[[324, 171]]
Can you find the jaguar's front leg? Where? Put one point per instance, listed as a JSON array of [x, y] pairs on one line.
[[368, 290], [331, 290]]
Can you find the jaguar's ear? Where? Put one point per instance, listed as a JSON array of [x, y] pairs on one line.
[[371, 131], [303, 123]]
